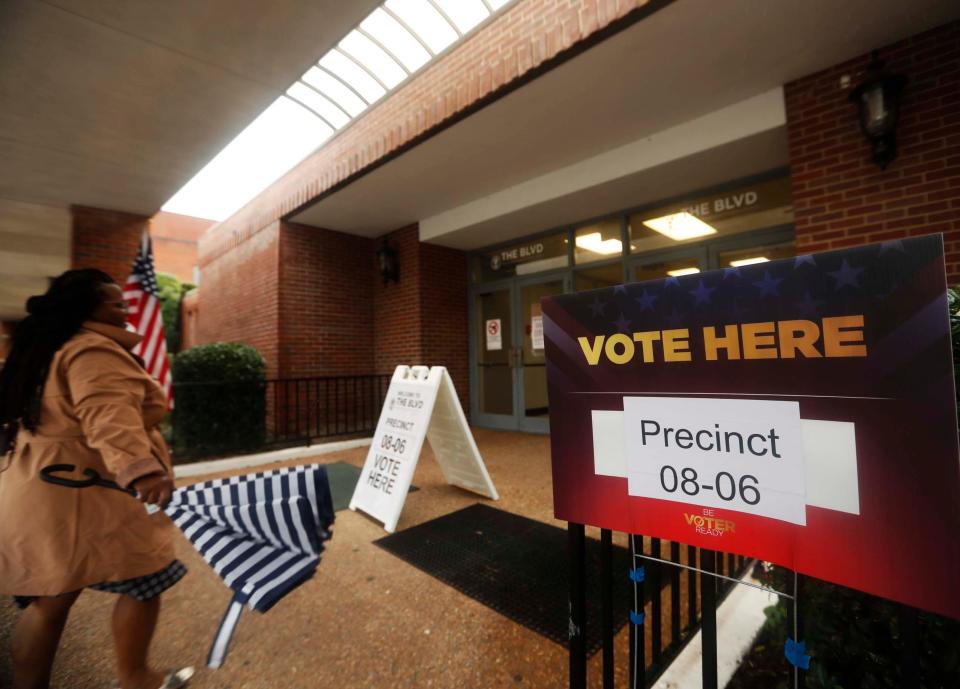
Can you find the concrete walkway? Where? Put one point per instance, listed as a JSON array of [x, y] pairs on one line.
[[367, 619]]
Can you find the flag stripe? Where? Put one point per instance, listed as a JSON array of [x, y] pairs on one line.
[[146, 317]]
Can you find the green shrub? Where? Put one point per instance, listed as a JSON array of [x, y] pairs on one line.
[[171, 297], [220, 403]]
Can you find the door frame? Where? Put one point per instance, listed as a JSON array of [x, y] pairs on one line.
[[513, 285], [531, 424]]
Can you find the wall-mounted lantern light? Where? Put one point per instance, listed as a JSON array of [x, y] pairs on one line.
[[387, 260], [878, 100]]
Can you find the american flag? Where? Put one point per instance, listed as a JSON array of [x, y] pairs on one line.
[[143, 297]]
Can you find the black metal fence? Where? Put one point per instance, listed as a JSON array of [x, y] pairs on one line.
[[300, 410], [217, 418], [673, 599]]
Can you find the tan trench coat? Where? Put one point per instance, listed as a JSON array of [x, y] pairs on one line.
[[100, 409]]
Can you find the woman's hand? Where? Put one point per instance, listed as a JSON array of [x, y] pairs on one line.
[[155, 489]]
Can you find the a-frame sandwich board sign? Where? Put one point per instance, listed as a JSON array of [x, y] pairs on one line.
[[421, 403]]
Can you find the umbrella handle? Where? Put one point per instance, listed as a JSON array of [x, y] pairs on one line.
[[49, 475]]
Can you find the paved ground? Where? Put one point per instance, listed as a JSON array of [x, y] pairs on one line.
[[367, 619]]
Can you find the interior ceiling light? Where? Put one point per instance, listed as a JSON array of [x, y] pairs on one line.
[[680, 272], [680, 226], [749, 261], [392, 42], [593, 242]]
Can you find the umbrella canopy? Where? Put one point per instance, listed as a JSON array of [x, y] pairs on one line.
[[262, 533]]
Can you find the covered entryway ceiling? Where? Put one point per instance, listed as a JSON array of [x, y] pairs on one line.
[[116, 104], [683, 62]]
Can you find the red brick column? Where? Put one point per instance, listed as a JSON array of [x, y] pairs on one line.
[[107, 240], [443, 305], [326, 324], [840, 197]]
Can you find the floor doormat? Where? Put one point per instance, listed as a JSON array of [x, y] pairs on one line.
[[515, 565], [343, 479]]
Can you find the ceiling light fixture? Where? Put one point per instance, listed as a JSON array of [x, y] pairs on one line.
[[680, 226], [593, 242], [680, 272], [749, 261]]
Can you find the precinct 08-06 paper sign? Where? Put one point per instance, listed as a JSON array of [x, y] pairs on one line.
[[743, 455], [799, 411]]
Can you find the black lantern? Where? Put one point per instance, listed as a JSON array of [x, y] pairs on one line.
[[878, 98], [387, 260]]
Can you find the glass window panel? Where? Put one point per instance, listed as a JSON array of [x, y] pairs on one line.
[[319, 104], [601, 276], [396, 39], [737, 258], [423, 18], [373, 58], [335, 91], [713, 216], [466, 14], [657, 270], [281, 136], [598, 242], [353, 74], [495, 373]]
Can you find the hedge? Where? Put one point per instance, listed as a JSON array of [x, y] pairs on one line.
[[220, 400], [171, 296]]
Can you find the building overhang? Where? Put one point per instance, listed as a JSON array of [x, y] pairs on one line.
[[681, 100]]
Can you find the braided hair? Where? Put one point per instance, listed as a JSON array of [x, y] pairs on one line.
[[53, 319]]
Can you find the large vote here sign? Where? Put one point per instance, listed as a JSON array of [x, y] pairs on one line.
[[798, 411]]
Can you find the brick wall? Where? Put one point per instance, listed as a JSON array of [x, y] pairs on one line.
[[107, 240], [840, 197], [175, 240], [326, 324], [422, 319], [443, 305], [526, 39], [239, 300], [397, 312]]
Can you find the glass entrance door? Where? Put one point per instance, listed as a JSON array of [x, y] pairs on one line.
[[494, 355], [509, 372], [532, 366]]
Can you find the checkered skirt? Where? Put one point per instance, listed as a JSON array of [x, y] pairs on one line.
[[142, 588]]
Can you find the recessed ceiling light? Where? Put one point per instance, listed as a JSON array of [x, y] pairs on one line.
[[679, 272], [593, 242], [749, 261], [680, 226]]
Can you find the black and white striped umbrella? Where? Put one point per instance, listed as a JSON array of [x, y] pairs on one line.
[[262, 533]]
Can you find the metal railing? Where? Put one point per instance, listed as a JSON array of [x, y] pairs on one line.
[[258, 415], [676, 590], [301, 410]]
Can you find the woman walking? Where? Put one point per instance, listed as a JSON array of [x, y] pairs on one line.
[[79, 397]]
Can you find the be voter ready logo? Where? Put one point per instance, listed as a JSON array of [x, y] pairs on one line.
[[790, 411]]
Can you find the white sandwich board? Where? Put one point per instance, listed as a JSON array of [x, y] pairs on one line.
[[421, 403]]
